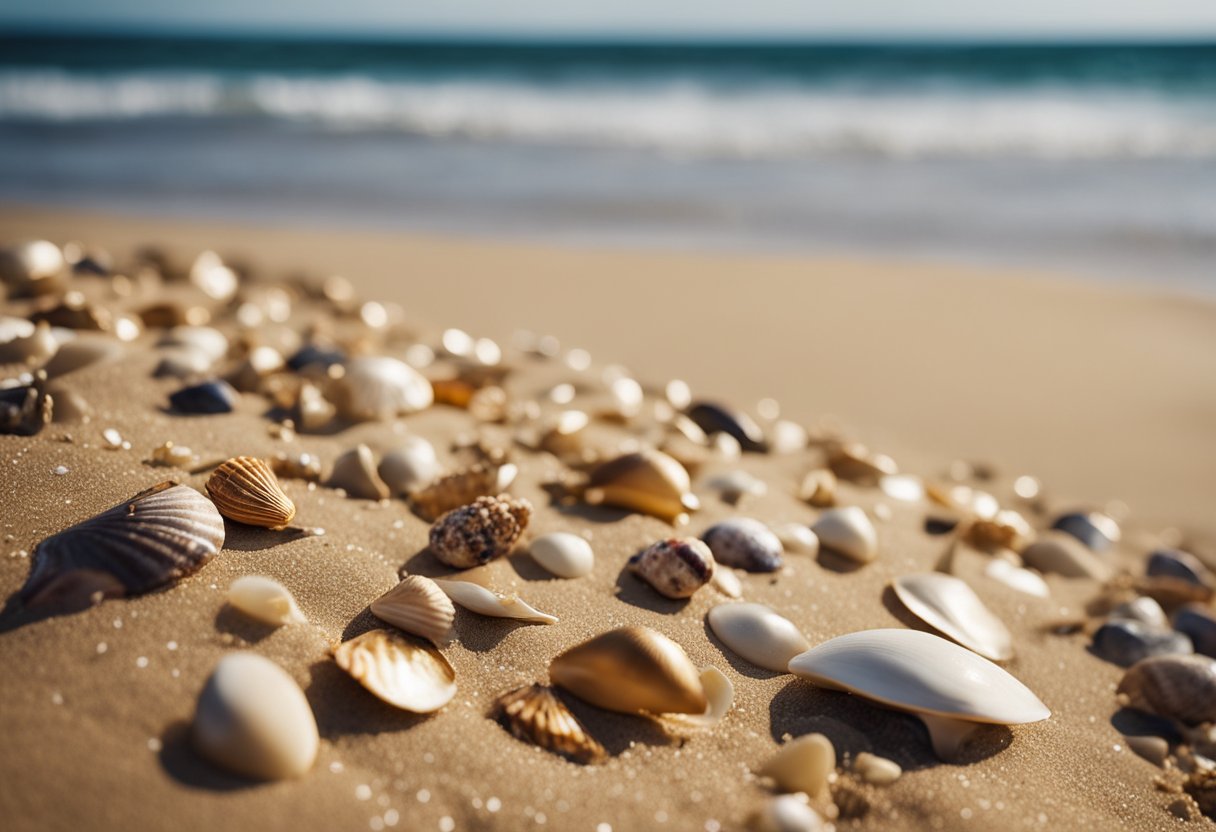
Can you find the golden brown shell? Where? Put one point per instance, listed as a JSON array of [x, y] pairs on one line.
[[649, 481], [246, 490], [534, 714], [1175, 687]]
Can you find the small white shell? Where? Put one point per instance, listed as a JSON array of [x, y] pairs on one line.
[[802, 765], [378, 388], [797, 538], [849, 532], [408, 674], [482, 601], [787, 813], [265, 599], [721, 695], [565, 555], [1015, 577], [205, 340], [758, 634], [906, 488], [410, 466], [417, 605], [875, 770], [947, 604]]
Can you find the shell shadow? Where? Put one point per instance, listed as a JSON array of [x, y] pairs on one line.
[[741, 665], [234, 622], [528, 569], [1132, 723], [424, 562], [362, 623], [836, 562], [559, 501], [480, 634], [343, 707], [245, 538], [633, 590], [617, 732], [183, 764]]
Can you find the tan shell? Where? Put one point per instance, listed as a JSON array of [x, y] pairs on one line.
[[649, 481], [1175, 687], [355, 473], [819, 488], [246, 490], [265, 599], [417, 605], [403, 672], [461, 488], [802, 765], [631, 670], [477, 533], [534, 714]]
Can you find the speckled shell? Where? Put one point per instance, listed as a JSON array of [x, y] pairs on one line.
[[156, 537], [649, 481], [461, 488], [417, 605], [378, 388], [477, 533], [246, 490], [744, 543], [403, 672], [1175, 687], [534, 714], [676, 567]]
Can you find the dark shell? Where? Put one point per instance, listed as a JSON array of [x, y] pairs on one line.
[[744, 544], [1095, 530], [209, 397], [1174, 563], [1126, 642], [25, 410], [1199, 625], [156, 537], [714, 418], [312, 355], [1175, 687]]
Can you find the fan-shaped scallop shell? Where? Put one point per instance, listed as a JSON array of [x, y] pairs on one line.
[[417, 605], [1175, 687], [648, 481], [158, 536], [461, 488], [534, 714], [403, 672], [246, 490]]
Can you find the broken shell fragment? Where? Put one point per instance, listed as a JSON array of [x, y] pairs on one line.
[[744, 543], [405, 673], [410, 466], [534, 714], [25, 410], [478, 599], [758, 634], [727, 582], [721, 696], [631, 670], [355, 473], [417, 605], [802, 765], [461, 488], [265, 599], [246, 490], [849, 532], [565, 555], [1181, 688], [647, 481], [477, 533], [676, 567], [950, 606], [379, 388], [209, 397], [1061, 554], [715, 418]]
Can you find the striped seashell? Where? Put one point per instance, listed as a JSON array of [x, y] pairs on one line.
[[246, 490], [417, 605], [534, 714], [399, 670]]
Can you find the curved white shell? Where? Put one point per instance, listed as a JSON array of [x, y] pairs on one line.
[[265, 599], [482, 601], [411, 465], [721, 696], [758, 634], [379, 388], [849, 532], [565, 555], [410, 675], [1015, 577], [906, 488], [797, 538], [947, 604], [726, 581]]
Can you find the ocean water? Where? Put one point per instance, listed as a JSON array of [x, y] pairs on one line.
[[1097, 159]]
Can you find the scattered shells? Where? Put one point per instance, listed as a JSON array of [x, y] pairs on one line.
[[1060, 554], [1096, 530], [410, 466], [758, 634], [482, 601], [1015, 577], [265, 599], [355, 473], [417, 605], [818, 488], [802, 765], [405, 673], [477, 533], [1199, 625], [797, 538], [744, 543], [875, 770], [1126, 642], [156, 537], [534, 714], [25, 410], [715, 418], [209, 397], [246, 490], [461, 488], [648, 481], [565, 555], [253, 719], [631, 670], [676, 567], [947, 604], [849, 532], [1175, 687], [378, 388], [1175, 563]]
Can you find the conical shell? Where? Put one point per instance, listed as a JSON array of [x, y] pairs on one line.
[[403, 672], [409, 467], [631, 670], [534, 714], [246, 490], [265, 599], [758, 634], [648, 481], [1175, 687], [355, 473], [378, 388], [849, 532], [947, 604], [482, 601], [419, 606], [461, 488], [156, 537]]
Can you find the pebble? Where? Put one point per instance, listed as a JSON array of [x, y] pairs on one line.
[[875, 770], [744, 543]]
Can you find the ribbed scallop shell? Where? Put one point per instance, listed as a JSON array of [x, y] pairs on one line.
[[649, 481], [534, 714], [1175, 687], [417, 605], [245, 489], [403, 672], [156, 537]]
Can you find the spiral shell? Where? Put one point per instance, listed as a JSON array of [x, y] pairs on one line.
[[417, 605], [1175, 687], [246, 490], [477, 533], [534, 714], [676, 567], [461, 488]]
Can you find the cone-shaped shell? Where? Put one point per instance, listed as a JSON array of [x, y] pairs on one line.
[[417, 605], [156, 537], [631, 670], [378, 388], [947, 604], [246, 490], [478, 599], [355, 473], [403, 672], [534, 714], [648, 481]]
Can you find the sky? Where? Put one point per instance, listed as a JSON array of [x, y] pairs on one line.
[[788, 18]]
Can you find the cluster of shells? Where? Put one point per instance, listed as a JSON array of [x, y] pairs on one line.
[[613, 446]]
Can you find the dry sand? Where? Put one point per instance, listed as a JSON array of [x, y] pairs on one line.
[[1103, 393]]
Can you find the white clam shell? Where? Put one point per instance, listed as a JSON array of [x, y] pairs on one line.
[[419, 606], [849, 532], [411, 465], [1016, 577], [404, 673], [797, 538], [721, 696], [355, 473], [378, 388], [265, 599], [787, 813], [253, 719], [483, 601], [949, 605], [758, 634], [565, 555], [802, 765]]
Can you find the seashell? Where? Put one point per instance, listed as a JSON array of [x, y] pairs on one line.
[[478, 599], [213, 277], [1125, 642], [948, 687], [246, 490], [485, 529], [534, 714], [855, 462], [169, 455], [787, 813], [215, 396], [27, 409], [947, 604], [1005, 530], [32, 268], [802, 765], [818, 488], [252, 718], [565, 555], [726, 582], [797, 538], [849, 532], [1175, 563], [203, 340], [631, 670], [758, 634], [786, 437], [461, 488], [1015, 577], [1060, 554], [735, 485], [355, 473], [1142, 609], [676, 567], [875, 770], [315, 356], [410, 466], [1181, 688], [1096, 530], [82, 351], [563, 435], [181, 362], [419, 606], [378, 388], [903, 487], [261, 362], [721, 696], [403, 672], [649, 482], [1199, 625], [156, 537], [69, 405], [1154, 749], [297, 465], [33, 349], [715, 418], [744, 543], [265, 599], [1171, 592]]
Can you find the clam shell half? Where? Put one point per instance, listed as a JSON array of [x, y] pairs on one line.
[[949, 605], [403, 672]]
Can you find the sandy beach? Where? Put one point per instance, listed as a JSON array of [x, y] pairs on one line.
[[1102, 393]]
